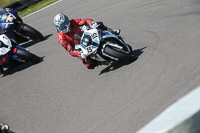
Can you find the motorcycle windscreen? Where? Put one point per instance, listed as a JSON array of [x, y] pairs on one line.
[[77, 37]]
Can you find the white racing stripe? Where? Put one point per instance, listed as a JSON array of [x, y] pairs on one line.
[[180, 117]]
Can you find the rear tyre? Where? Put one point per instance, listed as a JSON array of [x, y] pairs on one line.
[[119, 54], [28, 56], [32, 33]]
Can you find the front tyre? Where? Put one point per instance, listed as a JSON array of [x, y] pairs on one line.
[[119, 54], [130, 48], [28, 56], [32, 33]]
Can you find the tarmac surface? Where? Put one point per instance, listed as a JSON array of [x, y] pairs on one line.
[[61, 95]]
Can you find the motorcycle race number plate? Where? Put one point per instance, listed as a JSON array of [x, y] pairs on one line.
[[88, 50], [94, 35]]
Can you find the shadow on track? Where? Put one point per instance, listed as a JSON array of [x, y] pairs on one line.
[[30, 43], [116, 65], [19, 66]]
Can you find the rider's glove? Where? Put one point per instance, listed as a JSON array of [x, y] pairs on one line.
[[93, 25], [8, 9], [82, 55], [84, 28]]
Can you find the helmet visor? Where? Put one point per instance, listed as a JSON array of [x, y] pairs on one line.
[[63, 28]]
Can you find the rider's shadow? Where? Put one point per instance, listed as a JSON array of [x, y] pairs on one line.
[[19, 66], [116, 65]]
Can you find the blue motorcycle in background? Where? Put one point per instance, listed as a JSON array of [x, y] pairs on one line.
[[12, 25]]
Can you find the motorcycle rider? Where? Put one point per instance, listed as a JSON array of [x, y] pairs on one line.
[[66, 30], [4, 15]]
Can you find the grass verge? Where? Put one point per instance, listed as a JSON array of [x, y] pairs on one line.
[[29, 10], [36, 7], [4, 3]]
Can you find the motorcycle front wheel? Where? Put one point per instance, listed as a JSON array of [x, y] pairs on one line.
[[122, 56]]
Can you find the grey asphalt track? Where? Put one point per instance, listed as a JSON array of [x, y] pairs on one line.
[[61, 95]]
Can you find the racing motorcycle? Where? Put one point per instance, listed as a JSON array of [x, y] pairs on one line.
[[10, 51], [13, 27], [103, 46]]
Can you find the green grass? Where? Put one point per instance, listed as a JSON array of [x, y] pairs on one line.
[[4, 3], [30, 9], [36, 7]]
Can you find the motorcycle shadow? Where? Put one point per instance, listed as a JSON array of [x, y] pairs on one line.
[[31, 42], [18, 66], [116, 65]]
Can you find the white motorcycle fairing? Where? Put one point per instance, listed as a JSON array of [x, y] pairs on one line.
[[100, 40], [6, 41]]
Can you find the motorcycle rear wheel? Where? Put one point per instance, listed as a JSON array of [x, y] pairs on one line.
[[28, 56]]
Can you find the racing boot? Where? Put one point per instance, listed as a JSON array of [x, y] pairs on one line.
[[103, 63], [116, 32]]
